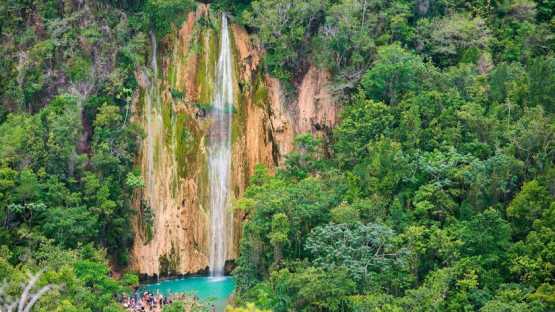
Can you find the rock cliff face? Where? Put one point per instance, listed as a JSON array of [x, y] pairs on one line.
[[173, 217]]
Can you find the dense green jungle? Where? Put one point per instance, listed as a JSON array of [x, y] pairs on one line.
[[435, 191]]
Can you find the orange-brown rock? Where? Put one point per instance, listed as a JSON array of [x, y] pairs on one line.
[[173, 154], [315, 105]]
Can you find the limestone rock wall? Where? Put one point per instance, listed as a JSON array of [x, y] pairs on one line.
[[173, 217]]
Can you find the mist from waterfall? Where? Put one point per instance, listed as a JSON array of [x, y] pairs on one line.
[[219, 153]]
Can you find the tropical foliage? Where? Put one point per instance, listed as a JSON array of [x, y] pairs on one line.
[[68, 146], [435, 192], [438, 194]]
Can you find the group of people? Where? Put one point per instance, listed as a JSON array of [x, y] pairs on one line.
[[145, 303]]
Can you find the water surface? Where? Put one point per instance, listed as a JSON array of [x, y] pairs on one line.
[[214, 289]]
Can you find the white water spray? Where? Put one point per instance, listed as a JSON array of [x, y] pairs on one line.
[[219, 153]]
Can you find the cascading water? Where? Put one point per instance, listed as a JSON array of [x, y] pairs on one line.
[[150, 124], [219, 153]]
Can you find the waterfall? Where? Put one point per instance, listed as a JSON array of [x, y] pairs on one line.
[[150, 124], [219, 153]]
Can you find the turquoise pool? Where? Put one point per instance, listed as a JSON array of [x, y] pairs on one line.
[[214, 289]]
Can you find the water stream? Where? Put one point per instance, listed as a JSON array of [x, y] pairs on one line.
[[151, 100], [219, 153]]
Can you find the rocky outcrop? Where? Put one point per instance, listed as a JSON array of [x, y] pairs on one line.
[[316, 109], [173, 219]]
